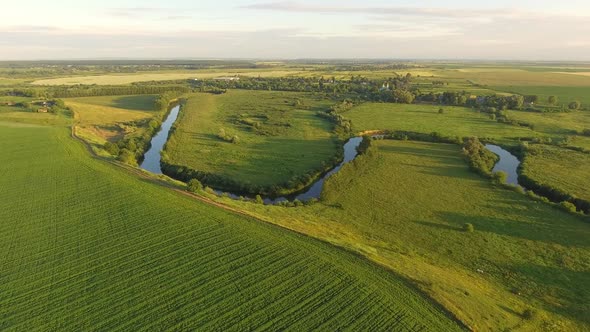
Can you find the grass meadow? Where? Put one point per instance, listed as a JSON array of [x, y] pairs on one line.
[[564, 169], [277, 138], [120, 79], [564, 94], [406, 208], [90, 246], [102, 119], [455, 121]]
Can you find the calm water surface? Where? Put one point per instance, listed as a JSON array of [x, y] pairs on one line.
[[507, 163], [151, 159]]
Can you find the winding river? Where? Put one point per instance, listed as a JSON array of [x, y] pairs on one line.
[[151, 161], [507, 163]]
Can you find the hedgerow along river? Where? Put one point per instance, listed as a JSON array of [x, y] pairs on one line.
[[151, 162]]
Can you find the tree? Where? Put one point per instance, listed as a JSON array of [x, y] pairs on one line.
[[131, 146], [531, 99], [517, 102], [500, 177], [552, 100], [403, 96], [194, 186], [568, 206], [441, 111], [127, 157], [221, 134], [574, 105], [259, 200], [111, 148], [235, 139], [468, 227]]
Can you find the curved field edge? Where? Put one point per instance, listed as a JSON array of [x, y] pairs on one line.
[[531, 255], [282, 147], [87, 246]]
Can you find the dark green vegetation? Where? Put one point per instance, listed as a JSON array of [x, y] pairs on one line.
[[408, 206], [89, 246], [252, 141]]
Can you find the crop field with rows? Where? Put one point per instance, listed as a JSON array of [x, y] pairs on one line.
[[87, 246]]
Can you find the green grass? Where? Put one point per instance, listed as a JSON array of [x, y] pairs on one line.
[[565, 94], [560, 168], [133, 102], [89, 246], [503, 76], [118, 79], [456, 121], [288, 141], [555, 124], [406, 208], [101, 119]]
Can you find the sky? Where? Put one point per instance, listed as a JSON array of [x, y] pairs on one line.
[[267, 29]]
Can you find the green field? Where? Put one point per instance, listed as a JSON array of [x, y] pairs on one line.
[[90, 246], [116, 79], [406, 208], [278, 140], [456, 121], [560, 168], [406, 237], [555, 124], [513, 76], [110, 118], [565, 94]]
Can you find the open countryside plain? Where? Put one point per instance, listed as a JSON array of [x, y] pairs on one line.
[[406, 207], [278, 136], [87, 245], [409, 236]]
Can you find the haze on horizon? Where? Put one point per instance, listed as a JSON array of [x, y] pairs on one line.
[[427, 29]]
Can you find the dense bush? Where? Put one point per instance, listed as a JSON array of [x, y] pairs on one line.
[[479, 158], [111, 148], [365, 145], [194, 186], [468, 227], [574, 105], [128, 157], [568, 207], [500, 177]]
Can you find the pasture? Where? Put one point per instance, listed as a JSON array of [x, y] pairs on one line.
[[555, 123], [406, 208], [564, 94], [120, 79], [455, 121], [560, 168], [512, 76], [101, 119], [90, 246], [279, 136]]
